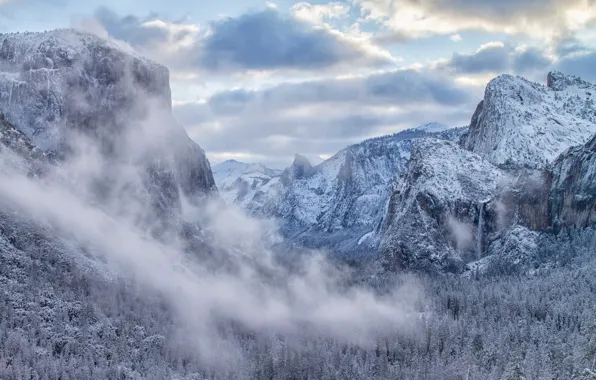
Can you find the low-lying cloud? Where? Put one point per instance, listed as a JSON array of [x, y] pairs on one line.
[[259, 294]]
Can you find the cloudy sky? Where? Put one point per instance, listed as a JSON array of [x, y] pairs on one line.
[[260, 81]]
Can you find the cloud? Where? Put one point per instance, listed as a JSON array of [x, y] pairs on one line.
[[400, 87], [323, 116], [267, 40], [581, 63], [497, 58], [257, 41], [129, 28], [539, 18], [317, 14], [456, 38], [461, 233], [489, 58], [525, 60]]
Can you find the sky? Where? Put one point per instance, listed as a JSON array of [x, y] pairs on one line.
[[261, 81]]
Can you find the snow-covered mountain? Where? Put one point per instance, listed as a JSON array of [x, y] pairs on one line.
[[432, 128], [455, 208], [88, 292], [336, 204], [65, 90], [526, 124], [435, 214], [422, 201], [254, 187]]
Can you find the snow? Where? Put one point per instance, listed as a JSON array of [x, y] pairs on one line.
[[344, 196], [430, 220], [432, 128], [43, 74], [528, 124], [248, 185]]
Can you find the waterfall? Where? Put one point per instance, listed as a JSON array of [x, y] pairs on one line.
[[479, 231]]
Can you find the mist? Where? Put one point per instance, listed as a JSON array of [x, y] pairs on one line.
[[251, 289]]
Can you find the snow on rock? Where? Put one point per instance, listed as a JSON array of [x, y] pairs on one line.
[[337, 204], [572, 200], [527, 124], [432, 128], [64, 83], [252, 186], [61, 80], [340, 202], [436, 208]]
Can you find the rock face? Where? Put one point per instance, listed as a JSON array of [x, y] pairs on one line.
[[340, 203], [64, 80], [525, 124], [337, 204], [254, 187], [440, 210], [572, 199], [63, 86], [517, 131]]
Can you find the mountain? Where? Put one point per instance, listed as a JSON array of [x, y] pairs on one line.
[[107, 272], [470, 207], [527, 124], [432, 128], [65, 90], [93, 171], [252, 186], [435, 211], [341, 202], [336, 204]]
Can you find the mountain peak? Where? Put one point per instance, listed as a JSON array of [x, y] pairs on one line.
[[527, 124], [432, 127], [300, 160], [559, 81], [301, 167]]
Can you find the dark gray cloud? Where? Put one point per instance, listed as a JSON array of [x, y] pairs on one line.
[[580, 64], [265, 40], [406, 87], [489, 59], [569, 45], [269, 40], [497, 58], [529, 60]]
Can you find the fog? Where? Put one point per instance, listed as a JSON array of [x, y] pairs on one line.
[[256, 292], [461, 232]]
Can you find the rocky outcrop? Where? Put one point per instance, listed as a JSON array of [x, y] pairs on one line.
[[572, 198], [441, 210], [524, 124], [301, 168], [61, 81], [70, 97]]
